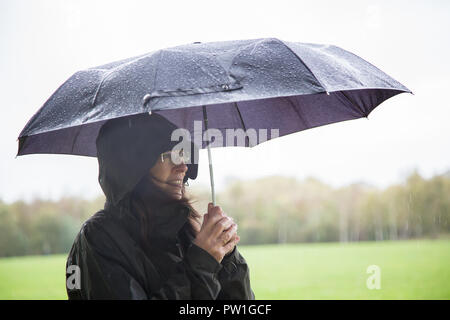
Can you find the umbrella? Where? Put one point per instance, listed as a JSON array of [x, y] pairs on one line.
[[244, 84]]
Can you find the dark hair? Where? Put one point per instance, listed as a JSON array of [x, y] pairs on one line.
[[146, 198]]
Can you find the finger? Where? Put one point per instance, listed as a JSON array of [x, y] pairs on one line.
[[221, 225], [215, 214], [233, 238], [230, 245], [205, 219], [211, 206], [215, 210], [232, 224], [228, 234]]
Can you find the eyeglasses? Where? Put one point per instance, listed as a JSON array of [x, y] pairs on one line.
[[176, 157]]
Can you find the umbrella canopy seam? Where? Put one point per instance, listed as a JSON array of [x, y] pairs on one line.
[[304, 64], [114, 69]]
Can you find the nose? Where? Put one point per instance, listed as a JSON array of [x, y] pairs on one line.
[[181, 168]]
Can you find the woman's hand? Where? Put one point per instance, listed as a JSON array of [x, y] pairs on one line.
[[217, 235]]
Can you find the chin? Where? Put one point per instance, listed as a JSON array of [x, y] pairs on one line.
[[176, 196]]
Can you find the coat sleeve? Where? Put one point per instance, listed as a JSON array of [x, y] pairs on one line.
[[194, 277], [103, 274], [106, 274], [234, 278]]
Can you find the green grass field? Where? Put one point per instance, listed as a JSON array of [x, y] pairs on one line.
[[409, 270]]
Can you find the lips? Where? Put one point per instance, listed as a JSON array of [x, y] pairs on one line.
[[176, 183]]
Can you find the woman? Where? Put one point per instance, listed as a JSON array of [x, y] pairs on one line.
[[148, 242]]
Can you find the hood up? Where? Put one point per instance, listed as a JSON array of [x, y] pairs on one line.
[[128, 147]]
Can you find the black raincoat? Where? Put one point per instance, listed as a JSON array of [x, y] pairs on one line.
[[107, 252]]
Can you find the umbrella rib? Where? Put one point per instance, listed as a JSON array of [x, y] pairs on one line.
[[240, 116], [307, 68], [352, 103], [157, 68], [247, 141], [75, 139], [299, 113]]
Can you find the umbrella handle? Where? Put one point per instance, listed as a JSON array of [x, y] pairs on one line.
[[211, 173]]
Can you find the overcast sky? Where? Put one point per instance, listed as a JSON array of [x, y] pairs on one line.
[[44, 42]]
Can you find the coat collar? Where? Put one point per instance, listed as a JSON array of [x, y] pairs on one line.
[[166, 222]]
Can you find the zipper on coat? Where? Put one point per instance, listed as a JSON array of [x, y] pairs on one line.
[[180, 250]]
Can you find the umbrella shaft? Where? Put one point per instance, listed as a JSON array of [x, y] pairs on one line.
[[211, 173], [211, 177]]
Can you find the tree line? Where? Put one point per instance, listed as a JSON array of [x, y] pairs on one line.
[[268, 210]]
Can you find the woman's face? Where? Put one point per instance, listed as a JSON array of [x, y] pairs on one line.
[[168, 176]]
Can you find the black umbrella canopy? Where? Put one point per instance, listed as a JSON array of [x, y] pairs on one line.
[[258, 83]]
